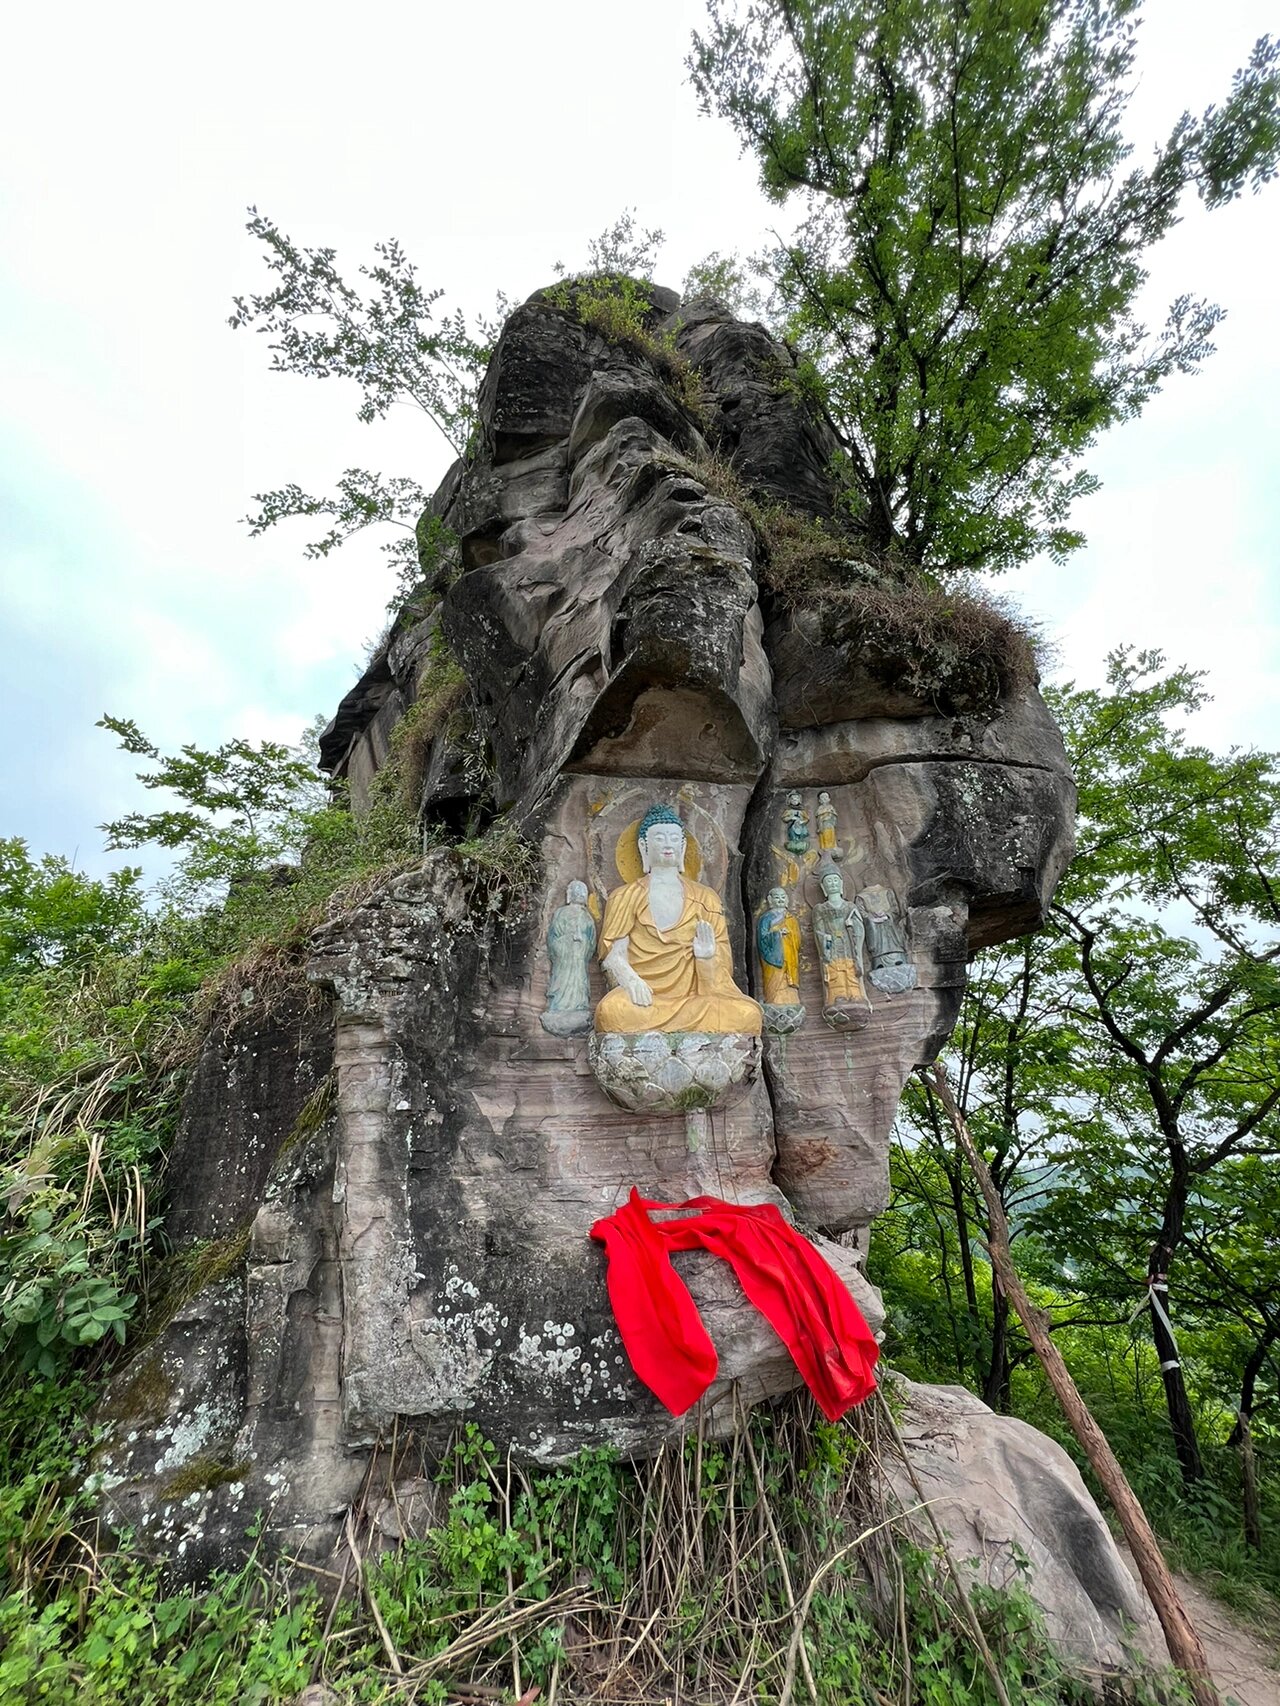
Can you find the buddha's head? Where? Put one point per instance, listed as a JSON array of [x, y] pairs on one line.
[[661, 839], [776, 900], [824, 798], [833, 886], [576, 894]]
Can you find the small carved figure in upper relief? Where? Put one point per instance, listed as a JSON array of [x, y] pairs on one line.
[[839, 935], [796, 822], [891, 967], [828, 828], [778, 942], [571, 941], [665, 946]]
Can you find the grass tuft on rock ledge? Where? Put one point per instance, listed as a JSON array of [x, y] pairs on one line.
[[947, 642], [617, 307]]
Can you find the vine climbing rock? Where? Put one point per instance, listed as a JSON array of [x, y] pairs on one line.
[[384, 1181]]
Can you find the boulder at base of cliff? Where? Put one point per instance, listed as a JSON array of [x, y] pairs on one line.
[[1016, 1513]]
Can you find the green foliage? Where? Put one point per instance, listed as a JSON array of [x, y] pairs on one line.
[[434, 568], [963, 285], [100, 1004], [624, 248], [721, 1566], [1120, 1071], [361, 500], [727, 279], [265, 842], [503, 868], [442, 692], [237, 1644], [87, 1098], [52, 915], [257, 787], [389, 338]]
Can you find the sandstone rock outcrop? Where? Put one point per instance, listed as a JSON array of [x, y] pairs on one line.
[[1017, 1514], [403, 1205]]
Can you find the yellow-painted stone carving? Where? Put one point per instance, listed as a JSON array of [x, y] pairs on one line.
[[665, 945]]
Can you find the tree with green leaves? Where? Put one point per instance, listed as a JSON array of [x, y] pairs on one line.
[[389, 336], [1173, 909], [965, 277], [1122, 1070]]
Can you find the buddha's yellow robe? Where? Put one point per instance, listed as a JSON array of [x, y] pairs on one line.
[[689, 994]]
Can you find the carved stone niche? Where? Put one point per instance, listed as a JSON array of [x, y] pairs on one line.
[[950, 834], [476, 1162], [667, 1069]]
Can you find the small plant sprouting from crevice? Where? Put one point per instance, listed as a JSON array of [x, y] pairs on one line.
[[502, 868], [425, 579], [442, 690]]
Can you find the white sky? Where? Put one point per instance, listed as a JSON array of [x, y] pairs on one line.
[[491, 140]]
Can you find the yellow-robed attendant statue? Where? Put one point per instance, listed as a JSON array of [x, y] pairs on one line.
[[665, 946]]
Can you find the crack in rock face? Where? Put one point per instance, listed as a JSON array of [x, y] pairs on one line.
[[418, 1253]]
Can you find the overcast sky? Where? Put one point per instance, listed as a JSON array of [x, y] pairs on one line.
[[492, 140]]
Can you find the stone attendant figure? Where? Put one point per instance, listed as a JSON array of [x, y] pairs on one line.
[[827, 825], [665, 945], [796, 820], [891, 967], [778, 942], [778, 939], [839, 934], [571, 940]]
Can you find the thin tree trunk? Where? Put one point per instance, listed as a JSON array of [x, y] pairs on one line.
[[1249, 1486], [1185, 1647], [1242, 1436], [961, 1213], [1252, 1369], [1182, 1420], [996, 1386]]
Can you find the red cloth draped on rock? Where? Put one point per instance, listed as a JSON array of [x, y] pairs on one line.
[[782, 1274]]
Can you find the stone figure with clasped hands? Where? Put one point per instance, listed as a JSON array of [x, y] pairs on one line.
[[665, 946], [839, 934]]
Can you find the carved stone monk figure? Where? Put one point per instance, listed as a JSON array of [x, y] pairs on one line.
[[665, 945], [778, 939]]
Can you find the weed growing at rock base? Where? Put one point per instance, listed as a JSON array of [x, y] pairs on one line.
[[764, 1566]]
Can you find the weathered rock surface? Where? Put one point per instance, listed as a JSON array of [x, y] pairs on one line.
[[400, 1191], [1016, 1513]]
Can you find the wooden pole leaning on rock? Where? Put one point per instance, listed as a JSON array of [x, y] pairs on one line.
[[1184, 1644]]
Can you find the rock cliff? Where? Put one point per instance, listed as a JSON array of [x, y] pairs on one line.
[[385, 1192]]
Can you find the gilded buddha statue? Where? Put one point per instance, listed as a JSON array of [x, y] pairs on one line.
[[665, 947]]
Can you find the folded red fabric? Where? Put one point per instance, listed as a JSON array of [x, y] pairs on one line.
[[807, 1305]]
